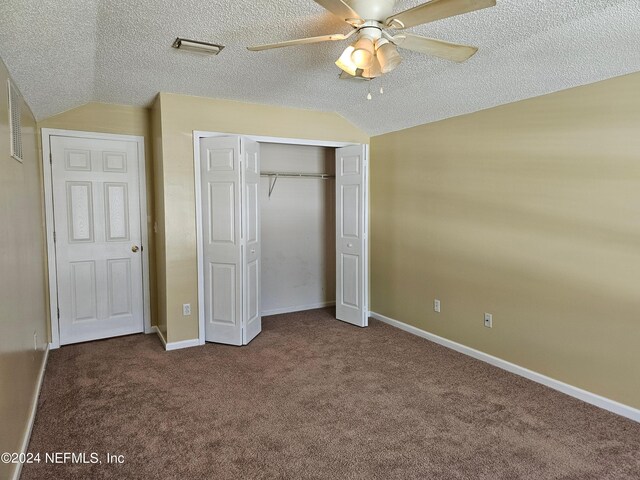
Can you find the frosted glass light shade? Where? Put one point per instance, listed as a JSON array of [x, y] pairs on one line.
[[345, 62], [388, 56], [363, 52], [374, 70]]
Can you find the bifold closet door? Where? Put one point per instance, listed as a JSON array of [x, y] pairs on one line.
[[230, 175], [351, 235], [252, 325]]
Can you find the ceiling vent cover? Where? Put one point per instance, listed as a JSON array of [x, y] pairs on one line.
[[15, 119], [197, 46]]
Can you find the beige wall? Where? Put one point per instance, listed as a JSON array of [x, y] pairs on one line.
[[23, 301], [120, 120], [529, 211], [180, 116]]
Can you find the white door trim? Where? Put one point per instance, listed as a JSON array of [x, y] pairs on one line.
[[50, 226], [197, 135]]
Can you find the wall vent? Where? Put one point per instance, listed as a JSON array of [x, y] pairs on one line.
[[15, 121]]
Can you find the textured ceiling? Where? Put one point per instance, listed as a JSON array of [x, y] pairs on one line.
[[63, 53]]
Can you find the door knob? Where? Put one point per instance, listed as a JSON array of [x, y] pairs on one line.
[[253, 250], [135, 248], [349, 245]]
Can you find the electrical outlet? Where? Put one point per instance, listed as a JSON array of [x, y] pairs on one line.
[[35, 340], [488, 320], [436, 305], [186, 309]]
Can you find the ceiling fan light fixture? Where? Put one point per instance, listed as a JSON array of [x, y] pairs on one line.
[[346, 63], [387, 54], [363, 52]]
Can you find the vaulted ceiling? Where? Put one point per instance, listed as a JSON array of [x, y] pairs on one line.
[[64, 53]]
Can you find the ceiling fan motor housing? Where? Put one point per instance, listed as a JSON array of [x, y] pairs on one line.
[[370, 30], [378, 10]]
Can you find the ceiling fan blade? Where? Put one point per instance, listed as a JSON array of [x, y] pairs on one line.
[[437, 48], [300, 41], [436, 10], [342, 10]]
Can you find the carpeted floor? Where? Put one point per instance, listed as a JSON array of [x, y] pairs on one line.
[[312, 397]]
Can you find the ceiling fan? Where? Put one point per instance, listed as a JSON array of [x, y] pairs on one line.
[[374, 51]]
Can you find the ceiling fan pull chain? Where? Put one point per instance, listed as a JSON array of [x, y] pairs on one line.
[[369, 97]]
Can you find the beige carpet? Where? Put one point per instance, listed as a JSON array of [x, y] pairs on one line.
[[312, 397]]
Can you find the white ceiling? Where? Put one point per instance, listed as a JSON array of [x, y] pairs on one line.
[[63, 53]]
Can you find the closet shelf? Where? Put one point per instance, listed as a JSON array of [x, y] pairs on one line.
[[276, 175]]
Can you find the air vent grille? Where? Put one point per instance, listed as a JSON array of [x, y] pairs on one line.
[[15, 121]]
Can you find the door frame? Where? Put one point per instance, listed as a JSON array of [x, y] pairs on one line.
[[46, 134], [197, 136]]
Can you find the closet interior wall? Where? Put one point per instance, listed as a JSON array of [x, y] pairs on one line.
[[298, 229]]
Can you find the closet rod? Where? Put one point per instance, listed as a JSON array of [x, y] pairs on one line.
[[296, 175], [323, 176]]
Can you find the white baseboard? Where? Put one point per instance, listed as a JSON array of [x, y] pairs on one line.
[[183, 344], [168, 346], [584, 395], [297, 308], [157, 331], [32, 413]]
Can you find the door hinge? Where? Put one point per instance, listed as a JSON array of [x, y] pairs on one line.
[[50, 158], [58, 313], [54, 237]]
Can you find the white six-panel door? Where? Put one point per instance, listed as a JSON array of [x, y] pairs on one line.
[[351, 235], [230, 175], [97, 237]]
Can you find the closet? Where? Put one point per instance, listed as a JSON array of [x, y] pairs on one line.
[[282, 228], [297, 220]]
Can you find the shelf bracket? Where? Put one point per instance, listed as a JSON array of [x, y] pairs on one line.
[[272, 185]]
